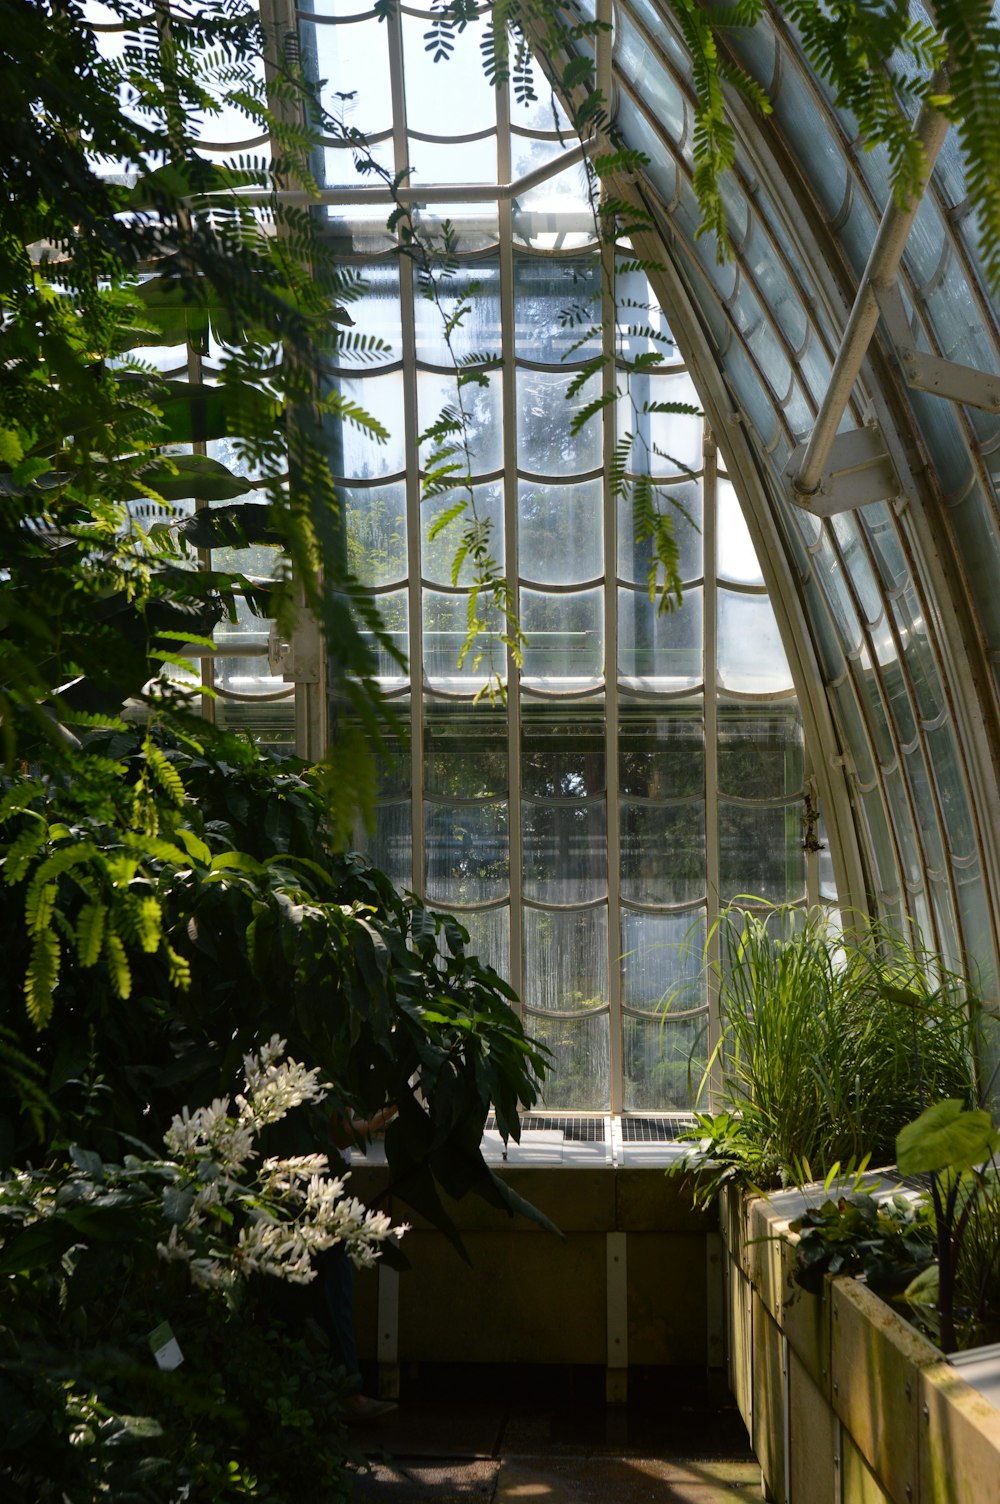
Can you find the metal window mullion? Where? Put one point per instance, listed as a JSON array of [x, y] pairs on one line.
[[411, 428], [710, 677], [510, 494], [611, 703], [609, 321]]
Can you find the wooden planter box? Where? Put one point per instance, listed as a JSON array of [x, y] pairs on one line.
[[845, 1403]]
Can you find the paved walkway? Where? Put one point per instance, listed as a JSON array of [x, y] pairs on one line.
[[463, 1451]]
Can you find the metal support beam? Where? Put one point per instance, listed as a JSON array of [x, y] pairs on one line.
[[883, 263], [932, 373], [859, 471]]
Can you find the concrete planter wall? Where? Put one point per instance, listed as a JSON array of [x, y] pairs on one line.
[[634, 1280], [845, 1403]]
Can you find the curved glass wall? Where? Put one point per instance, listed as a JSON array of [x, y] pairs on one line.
[[639, 769], [900, 594]]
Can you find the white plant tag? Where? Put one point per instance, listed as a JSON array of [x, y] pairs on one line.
[[165, 1347]]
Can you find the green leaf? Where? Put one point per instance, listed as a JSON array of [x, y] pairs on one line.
[[188, 477], [946, 1136]]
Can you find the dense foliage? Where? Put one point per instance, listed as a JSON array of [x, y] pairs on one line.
[[172, 899], [831, 1042]]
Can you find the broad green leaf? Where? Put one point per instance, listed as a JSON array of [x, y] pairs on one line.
[[189, 477], [946, 1136]]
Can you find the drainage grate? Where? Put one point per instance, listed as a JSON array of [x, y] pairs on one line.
[[654, 1130], [573, 1130]]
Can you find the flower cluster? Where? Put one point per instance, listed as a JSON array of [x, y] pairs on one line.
[[229, 1220]]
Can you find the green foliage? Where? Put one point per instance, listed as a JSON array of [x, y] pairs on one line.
[[957, 1148], [889, 1240], [236, 923], [723, 1153], [946, 1136], [88, 1415], [832, 1041]]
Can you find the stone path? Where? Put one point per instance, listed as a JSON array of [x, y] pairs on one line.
[[457, 1451]]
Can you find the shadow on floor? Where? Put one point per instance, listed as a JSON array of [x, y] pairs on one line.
[[545, 1436]]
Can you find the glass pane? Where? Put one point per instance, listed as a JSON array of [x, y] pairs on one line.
[[565, 852], [453, 162], [484, 509], [376, 533], [751, 657], [580, 1069], [445, 635], [737, 555], [642, 323], [355, 452], [911, 622], [760, 852], [643, 68], [556, 215], [566, 959], [661, 752], [663, 443], [948, 775], [543, 112], [763, 260], [475, 287], [466, 855], [376, 316], [474, 226], [261, 561], [458, 82], [880, 844], [924, 807], [390, 844], [270, 724], [760, 751], [562, 751], [489, 937], [565, 636], [528, 153], [663, 1066], [465, 750], [556, 302], [663, 961], [336, 167], [857, 565], [681, 502], [359, 53], [394, 609], [880, 527], [663, 852], [664, 646], [545, 413], [438, 390], [560, 532]]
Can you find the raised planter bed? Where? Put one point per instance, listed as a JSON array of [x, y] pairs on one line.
[[845, 1402]]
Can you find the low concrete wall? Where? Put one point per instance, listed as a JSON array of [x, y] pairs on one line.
[[845, 1403], [634, 1281]]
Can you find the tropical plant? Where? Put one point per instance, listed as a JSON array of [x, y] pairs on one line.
[[957, 1149], [177, 953], [830, 1040], [103, 1262], [888, 1239]]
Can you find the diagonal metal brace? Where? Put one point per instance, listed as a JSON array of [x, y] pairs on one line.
[[932, 373]]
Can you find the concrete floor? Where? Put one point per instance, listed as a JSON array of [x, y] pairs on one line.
[[554, 1447]]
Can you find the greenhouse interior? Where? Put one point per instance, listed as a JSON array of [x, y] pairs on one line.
[[500, 706]]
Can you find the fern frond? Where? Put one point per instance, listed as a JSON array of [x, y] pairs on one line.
[[41, 977], [90, 932], [119, 970]]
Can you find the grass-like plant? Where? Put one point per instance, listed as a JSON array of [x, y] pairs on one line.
[[831, 1039]]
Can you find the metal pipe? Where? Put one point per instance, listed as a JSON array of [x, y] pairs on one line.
[[883, 263]]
